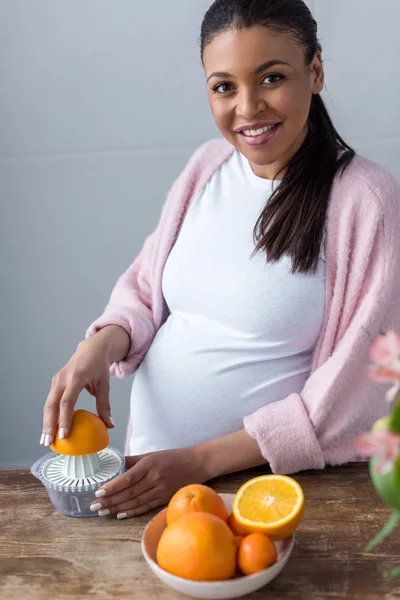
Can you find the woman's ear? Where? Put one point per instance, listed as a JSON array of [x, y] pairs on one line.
[[317, 72]]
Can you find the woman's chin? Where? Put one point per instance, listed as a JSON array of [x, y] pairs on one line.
[[259, 157]]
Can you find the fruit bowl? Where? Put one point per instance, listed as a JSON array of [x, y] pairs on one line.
[[232, 588]]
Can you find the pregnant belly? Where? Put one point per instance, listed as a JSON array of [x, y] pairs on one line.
[[197, 383]]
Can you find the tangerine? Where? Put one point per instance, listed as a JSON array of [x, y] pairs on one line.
[[256, 553]]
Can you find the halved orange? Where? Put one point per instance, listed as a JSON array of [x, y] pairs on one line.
[[270, 504], [88, 435]]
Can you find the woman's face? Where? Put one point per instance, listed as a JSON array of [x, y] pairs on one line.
[[260, 92]]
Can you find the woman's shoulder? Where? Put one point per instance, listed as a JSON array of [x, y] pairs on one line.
[[369, 185]]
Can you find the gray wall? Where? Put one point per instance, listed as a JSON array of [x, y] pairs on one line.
[[101, 105]]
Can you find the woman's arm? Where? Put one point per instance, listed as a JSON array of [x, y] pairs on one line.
[[151, 479], [136, 303], [130, 308], [227, 454], [116, 340], [317, 427]]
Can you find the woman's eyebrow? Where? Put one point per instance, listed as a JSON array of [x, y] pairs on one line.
[[263, 67]]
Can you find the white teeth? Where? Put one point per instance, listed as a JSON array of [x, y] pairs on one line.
[[256, 132]]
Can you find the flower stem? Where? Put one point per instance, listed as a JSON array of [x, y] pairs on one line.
[[386, 530]]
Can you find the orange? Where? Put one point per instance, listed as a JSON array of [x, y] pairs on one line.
[[237, 529], [198, 546], [88, 435], [256, 552], [270, 504], [196, 498]]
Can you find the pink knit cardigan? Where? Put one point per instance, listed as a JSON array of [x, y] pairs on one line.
[[317, 426]]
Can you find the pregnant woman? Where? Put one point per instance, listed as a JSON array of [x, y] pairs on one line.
[[248, 315]]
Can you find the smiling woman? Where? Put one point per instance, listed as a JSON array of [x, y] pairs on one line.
[[252, 133], [250, 100], [265, 73], [249, 313]]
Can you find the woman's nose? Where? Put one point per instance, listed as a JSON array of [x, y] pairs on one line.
[[250, 104]]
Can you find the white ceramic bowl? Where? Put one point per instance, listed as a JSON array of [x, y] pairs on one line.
[[233, 588]]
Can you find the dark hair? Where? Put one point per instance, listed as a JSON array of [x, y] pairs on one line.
[[293, 220]]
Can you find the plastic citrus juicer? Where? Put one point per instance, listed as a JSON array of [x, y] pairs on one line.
[[79, 465]]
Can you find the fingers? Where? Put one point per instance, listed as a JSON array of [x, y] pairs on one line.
[[125, 481], [67, 405], [61, 401], [130, 461], [139, 506], [103, 403], [126, 495], [152, 498], [51, 412], [58, 410], [87, 368]]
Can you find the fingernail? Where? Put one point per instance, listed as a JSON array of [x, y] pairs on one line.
[[100, 493], [42, 439], [122, 515], [96, 507], [104, 513], [61, 433], [47, 440], [112, 421]]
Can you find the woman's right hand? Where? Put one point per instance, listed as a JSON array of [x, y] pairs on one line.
[[87, 369]]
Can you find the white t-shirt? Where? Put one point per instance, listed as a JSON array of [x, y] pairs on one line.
[[241, 333]]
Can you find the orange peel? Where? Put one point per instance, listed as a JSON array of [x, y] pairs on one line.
[[88, 435]]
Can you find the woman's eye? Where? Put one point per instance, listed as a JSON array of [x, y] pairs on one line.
[[275, 77], [222, 88]]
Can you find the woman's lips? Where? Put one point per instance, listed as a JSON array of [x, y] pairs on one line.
[[260, 140]]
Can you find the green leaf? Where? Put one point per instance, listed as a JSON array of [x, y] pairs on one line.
[[386, 530], [394, 573], [394, 423]]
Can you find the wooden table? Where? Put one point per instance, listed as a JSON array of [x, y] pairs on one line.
[[46, 555]]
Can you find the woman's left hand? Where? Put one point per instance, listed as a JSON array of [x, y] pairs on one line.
[[149, 481]]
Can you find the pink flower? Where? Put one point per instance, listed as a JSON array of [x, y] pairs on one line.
[[385, 354], [384, 445]]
